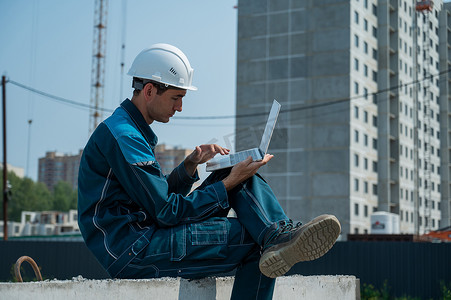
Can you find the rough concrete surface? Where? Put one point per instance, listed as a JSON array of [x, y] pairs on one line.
[[288, 287]]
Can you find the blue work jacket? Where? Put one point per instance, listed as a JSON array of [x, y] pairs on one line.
[[123, 197]]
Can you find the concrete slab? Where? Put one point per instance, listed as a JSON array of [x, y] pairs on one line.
[[288, 287]]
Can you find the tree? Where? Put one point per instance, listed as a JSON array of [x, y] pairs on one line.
[[27, 195], [64, 197]]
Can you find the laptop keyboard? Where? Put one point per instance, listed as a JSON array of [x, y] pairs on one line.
[[240, 156]]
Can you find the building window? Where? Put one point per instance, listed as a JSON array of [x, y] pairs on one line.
[[365, 116], [356, 136], [365, 189], [375, 189], [374, 32], [374, 143], [374, 76], [365, 210], [365, 163], [356, 40], [365, 24], [375, 166], [356, 17], [356, 160], [356, 88], [356, 64], [365, 47], [356, 209], [374, 10]]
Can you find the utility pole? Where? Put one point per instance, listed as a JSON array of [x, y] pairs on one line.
[[5, 171]]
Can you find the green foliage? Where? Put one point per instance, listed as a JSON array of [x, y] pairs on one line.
[[369, 292], [446, 290], [26, 273], [64, 197], [34, 196]]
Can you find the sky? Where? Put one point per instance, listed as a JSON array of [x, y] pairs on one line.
[[47, 45]]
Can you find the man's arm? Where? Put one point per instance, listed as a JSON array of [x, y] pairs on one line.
[[244, 170]]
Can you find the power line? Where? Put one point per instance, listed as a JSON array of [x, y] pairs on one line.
[[58, 98], [304, 107]]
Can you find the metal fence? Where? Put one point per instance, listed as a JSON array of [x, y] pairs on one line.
[[407, 268]]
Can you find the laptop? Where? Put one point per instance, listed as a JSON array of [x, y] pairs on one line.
[[226, 161]]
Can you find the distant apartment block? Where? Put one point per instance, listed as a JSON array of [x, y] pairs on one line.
[[16, 170], [365, 118], [55, 167], [170, 157]]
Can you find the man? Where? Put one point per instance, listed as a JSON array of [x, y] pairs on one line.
[[140, 223]]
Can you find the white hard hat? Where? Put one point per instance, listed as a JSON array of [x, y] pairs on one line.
[[165, 64]]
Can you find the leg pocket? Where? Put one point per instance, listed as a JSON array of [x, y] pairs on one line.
[[199, 241]]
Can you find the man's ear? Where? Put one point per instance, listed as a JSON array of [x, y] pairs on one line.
[[149, 91]]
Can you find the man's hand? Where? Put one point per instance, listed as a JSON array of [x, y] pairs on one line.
[[244, 170], [202, 154]]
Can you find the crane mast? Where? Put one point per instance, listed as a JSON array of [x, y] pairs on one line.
[[98, 63]]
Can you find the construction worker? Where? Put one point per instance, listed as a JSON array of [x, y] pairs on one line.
[[140, 223]]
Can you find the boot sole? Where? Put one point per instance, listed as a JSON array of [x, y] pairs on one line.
[[311, 242]]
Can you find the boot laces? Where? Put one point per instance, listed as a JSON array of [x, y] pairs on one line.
[[288, 227], [285, 227]]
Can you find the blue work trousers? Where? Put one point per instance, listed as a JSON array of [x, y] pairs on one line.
[[217, 244]]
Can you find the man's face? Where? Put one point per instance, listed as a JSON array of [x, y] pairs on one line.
[[162, 107]]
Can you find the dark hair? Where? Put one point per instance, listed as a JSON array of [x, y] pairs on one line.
[[139, 84]]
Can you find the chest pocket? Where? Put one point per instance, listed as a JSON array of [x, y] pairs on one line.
[[199, 241]]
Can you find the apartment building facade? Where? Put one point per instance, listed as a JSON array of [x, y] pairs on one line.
[[55, 167], [170, 157], [355, 102]]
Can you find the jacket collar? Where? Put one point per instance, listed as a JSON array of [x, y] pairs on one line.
[[140, 122]]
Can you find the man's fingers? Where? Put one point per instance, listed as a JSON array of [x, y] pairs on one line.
[[261, 163], [197, 151], [248, 160], [214, 148], [221, 150], [267, 157]]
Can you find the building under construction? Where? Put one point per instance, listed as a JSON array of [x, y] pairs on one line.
[[365, 118]]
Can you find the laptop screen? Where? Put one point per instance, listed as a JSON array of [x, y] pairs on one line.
[[270, 124]]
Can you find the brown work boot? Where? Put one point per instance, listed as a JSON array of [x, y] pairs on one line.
[[291, 245]]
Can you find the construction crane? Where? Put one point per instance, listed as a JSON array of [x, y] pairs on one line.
[[98, 62], [424, 8]]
